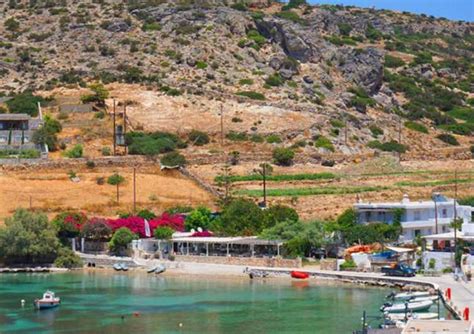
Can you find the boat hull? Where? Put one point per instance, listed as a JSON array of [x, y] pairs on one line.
[[412, 307], [299, 275], [46, 305], [411, 295]]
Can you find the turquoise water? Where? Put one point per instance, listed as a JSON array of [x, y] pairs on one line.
[[94, 302]]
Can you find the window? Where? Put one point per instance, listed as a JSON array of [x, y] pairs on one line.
[[417, 215], [445, 213]]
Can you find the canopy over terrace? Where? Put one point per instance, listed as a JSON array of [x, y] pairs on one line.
[[226, 246]]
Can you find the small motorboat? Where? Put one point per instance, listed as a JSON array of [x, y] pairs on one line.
[[124, 267], [411, 307], [160, 269], [117, 266], [49, 300], [257, 274], [417, 316], [151, 270], [422, 299], [299, 275], [409, 295]]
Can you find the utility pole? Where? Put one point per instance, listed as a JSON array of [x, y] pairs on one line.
[[264, 185], [399, 137], [31, 202], [115, 139], [118, 194], [345, 130], [436, 213], [125, 125], [134, 191], [455, 215], [222, 126]]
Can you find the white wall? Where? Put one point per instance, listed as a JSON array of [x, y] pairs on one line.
[[443, 260]]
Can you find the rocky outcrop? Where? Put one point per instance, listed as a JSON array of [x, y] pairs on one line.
[[364, 68]]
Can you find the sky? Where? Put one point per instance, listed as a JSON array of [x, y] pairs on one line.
[[451, 9]]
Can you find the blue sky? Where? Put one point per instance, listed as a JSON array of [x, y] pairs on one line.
[[451, 9]]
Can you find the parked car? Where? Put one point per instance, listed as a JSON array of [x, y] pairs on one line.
[[399, 269]]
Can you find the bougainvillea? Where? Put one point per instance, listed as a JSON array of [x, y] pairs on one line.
[[69, 224], [137, 224], [202, 234]]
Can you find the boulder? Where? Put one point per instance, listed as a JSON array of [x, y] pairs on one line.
[[307, 79], [118, 26]]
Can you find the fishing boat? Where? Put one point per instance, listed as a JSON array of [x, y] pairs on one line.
[[160, 269], [417, 316], [299, 275], [403, 307], [409, 295], [49, 300]]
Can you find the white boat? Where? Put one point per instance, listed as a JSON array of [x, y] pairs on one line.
[[49, 300], [417, 316], [411, 295], [422, 299], [411, 307], [160, 269]]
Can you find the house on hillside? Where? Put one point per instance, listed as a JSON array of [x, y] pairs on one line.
[[416, 217], [16, 132]]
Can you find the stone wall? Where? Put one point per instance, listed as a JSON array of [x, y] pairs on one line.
[[242, 261]]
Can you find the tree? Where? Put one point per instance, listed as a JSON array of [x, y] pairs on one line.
[[115, 179], [283, 156], [11, 24], [100, 93], [121, 239], [67, 259], [146, 214], [241, 217], [279, 213], [225, 182], [27, 237], [24, 103], [96, 229], [199, 217], [163, 233]]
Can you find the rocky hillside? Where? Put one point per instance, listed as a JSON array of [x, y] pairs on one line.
[[356, 76]]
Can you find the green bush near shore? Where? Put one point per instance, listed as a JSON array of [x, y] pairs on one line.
[[309, 191]]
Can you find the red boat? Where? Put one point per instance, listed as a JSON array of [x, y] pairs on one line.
[[299, 275]]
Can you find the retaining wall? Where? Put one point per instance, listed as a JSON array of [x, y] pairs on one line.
[[242, 261]]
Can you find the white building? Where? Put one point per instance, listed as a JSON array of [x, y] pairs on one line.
[[416, 217]]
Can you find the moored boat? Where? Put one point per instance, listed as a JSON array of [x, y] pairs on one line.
[[299, 274], [117, 266], [403, 307], [410, 295], [49, 300], [422, 299], [418, 316], [160, 269], [124, 267]]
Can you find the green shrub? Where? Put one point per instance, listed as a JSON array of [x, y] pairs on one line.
[[290, 16], [256, 138], [115, 179], [121, 239], [198, 138], [11, 24], [252, 95], [463, 129], [464, 113], [376, 131], [344, 28], [324, 142], [283, 156], [448, 139], [239, 6], [349, 264], [201, 65], [393, 62], [274, 139], [75, 152], [152, 144], [163, 233], [173, 159], [200, 217], [432, 264], [237, 136], [423, 58], [336, 40], [391, 146], [274, 80], [153, 26], [243, 82], [67, 259], [106, 151], [372, 33], [255, 36], [416, 127]]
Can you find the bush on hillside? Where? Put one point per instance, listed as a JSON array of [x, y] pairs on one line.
[[75, 152], [173, 159], [24, 103], [448, 139], [283, 156], [416, 126], [198, 138]]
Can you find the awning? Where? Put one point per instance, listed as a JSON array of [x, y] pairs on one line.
[[400, 249], [449, 236]]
